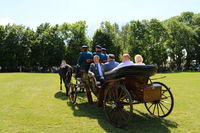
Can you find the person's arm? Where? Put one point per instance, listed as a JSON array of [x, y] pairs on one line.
[[79, 59], [90, 71], [105, 67], [90, 60]]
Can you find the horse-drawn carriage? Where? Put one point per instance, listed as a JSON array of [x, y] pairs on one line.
[[125, 87]]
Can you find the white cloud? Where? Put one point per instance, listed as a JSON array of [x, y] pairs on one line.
[[6, 20]]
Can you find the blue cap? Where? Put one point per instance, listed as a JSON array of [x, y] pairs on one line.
[[84, 46], [98, 46], [104, 49]]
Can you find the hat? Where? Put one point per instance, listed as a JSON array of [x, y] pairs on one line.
[[84, 46], [104, 49], [98, 46]]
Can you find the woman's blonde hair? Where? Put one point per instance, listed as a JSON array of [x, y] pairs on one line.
[[138, 58]]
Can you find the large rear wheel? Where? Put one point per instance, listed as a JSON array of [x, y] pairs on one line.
[[164, 106], [118, 105]]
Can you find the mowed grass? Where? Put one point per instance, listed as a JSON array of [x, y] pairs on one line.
[[32, 103]]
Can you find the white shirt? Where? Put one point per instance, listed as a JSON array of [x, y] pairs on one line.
[[125, 63], [139, 63]]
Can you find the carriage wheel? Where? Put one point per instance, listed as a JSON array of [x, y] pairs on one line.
[[73, 93], [80, 86], [164, 106], [118, 106]]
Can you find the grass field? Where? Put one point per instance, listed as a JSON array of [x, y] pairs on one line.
[[32, 102]]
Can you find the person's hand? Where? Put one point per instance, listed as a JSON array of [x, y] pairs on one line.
[[89, 60], [91, 74]]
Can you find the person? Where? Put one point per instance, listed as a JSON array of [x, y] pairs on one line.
[[105, 55], [125, 61], [99, 53], [96, 69], [111, 64], [85, 58], [138, 60]]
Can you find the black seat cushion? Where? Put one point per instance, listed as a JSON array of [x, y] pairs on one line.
[[131, 71]]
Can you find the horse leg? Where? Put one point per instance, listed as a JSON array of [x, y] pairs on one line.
[[67, 89], [60, 83]]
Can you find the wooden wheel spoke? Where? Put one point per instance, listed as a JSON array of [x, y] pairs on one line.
[[161, 109], [112, 116], [116, 94], [122, 114], [120, 93], [123, 97], [111, 110], [154, 108], [163, 91], [164, 106], [113, 95], [157, 109], [165, 102], [165, 97], [151, 105]]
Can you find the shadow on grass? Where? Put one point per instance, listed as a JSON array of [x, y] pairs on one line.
[[140, 123], [60, 95]]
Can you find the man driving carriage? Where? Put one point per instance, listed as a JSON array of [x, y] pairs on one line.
[[98, 51], [85, 58]]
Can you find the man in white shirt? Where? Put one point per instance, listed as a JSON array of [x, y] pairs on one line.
[[125, 61]]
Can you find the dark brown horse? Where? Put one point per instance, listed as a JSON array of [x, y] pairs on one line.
[[65, 73]]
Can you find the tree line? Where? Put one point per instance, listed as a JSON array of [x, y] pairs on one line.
[[174, 42]]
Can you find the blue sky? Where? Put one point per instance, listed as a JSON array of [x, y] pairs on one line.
[[34, 12]]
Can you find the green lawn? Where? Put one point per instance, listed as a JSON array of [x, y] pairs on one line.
[[31, 102]]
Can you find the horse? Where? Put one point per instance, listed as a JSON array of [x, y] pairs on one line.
[[65, 72]]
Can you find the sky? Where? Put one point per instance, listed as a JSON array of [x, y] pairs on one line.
[[32, 13]]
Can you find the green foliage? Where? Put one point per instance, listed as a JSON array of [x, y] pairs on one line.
[[107, 37], [75, 41], [177, 39]]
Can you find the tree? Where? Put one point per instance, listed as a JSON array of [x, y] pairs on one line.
[[156, 42], [196, 28], [77, 38], [138, 39], [2, 46], [107, 37], [180, 40], [49, 45]]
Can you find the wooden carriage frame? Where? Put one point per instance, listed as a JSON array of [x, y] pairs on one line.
[[118, 96]]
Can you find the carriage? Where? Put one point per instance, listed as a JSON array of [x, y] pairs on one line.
[[125, 87]]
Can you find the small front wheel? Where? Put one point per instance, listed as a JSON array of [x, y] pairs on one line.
[[73, 93]]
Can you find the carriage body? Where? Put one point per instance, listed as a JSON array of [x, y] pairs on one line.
[[131, 85], [137, 82]]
